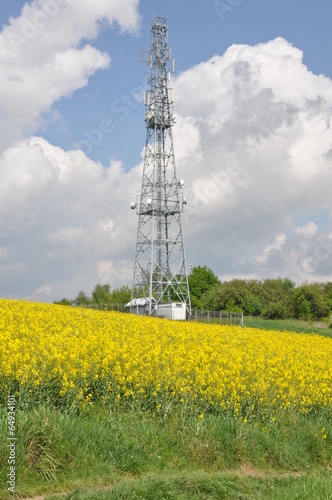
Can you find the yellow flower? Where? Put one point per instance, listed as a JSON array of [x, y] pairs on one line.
[[63, 352]]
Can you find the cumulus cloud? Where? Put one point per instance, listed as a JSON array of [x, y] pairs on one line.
[[263, 156], [43, 291], [42, 59], [277, 245], [53, 204], [3, 252], [308, 230], [253, 143]]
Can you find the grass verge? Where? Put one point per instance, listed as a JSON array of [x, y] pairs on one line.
[[134, 454], [294, 325]]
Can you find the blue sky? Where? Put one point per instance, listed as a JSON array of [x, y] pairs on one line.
[[253, 101]]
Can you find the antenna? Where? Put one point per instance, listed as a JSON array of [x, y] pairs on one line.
[[160, 271]]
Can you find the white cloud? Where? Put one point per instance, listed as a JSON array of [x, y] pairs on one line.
[[3, 253], [41, 59], [265, 156], [187, 139], [308, 230], [53, 205], [114, 273], [277, 245], [309, 265], [105, 226], [104, 269], [43, 291], [68, 235]]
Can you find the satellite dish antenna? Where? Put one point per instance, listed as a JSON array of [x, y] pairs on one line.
[[150, 115]]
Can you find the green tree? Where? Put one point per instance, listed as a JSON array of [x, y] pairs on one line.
[[328, 294], [304, 310], [272, 298], [82, 300], [121, 295], [252, 305], [277, 291], [274, 310], [201, 280], [236, 295], [312, 294], [102, 294], [63, 302]]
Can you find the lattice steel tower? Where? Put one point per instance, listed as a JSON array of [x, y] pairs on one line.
[[160, 264]]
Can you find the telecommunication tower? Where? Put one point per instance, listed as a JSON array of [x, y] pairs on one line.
[[160, 270]]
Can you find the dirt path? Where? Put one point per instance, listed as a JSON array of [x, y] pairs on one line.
[[68, 493], [244, 471]]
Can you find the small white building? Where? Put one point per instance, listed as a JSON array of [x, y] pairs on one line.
[[140, 306], [174, 310]]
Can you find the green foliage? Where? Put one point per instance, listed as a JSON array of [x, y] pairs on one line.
[[328, 292], [253, 305], [101, 294], [276, 295], [310, 301], [82, 300], [274, 310], [63, 302], [236, 295], [121, 295], [304, 310], [201, 280], [272, 298]]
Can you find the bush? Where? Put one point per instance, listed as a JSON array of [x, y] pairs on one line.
[[275, 311], [304, 310], [309, 301]]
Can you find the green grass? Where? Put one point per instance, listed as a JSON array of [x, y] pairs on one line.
[[203, 486], [294, 325], [134, 454]]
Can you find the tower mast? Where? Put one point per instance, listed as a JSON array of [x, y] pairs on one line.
[[160, 265]]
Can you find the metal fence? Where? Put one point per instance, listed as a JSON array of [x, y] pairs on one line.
[[198, 315], [220, 317]]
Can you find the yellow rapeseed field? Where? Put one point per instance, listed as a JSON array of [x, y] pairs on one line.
[[82, 355]]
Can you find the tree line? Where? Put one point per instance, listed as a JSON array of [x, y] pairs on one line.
[[276, 298], [101, 295]]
